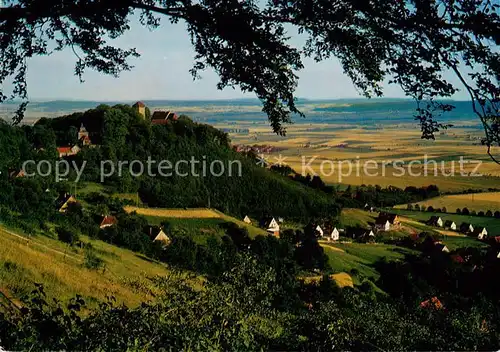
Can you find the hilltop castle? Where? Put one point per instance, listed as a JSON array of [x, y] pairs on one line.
[[159, 117]]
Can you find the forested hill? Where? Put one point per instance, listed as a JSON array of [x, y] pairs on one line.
[[119, 133]]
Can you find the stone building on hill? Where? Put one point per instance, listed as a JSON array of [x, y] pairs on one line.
[[140, 107], [163, 117]]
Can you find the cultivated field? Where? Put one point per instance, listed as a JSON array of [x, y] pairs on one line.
[[174, 213], [474, 201], [195, 222], [350, 147]]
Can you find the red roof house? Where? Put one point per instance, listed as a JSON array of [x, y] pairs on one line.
[[433, 303], [163, 117], [107, 221]]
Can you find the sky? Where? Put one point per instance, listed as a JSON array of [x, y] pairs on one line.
[[162, 72]]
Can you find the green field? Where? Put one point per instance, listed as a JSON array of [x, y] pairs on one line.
[[454, 243], [343, 257], [197, 223], [491, 224], [356, 218], [198, 229]]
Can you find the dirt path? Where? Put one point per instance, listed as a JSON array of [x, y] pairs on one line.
[[7, 300], [450, 233], [330, 246], [441, 231]]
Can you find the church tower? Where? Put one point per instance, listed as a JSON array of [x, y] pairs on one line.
[[83, 136], [82, 133]]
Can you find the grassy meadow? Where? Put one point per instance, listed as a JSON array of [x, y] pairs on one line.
[[40, 259], [344, 257], [197, 223]]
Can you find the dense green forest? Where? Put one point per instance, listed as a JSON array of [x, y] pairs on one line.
[[122, 135]]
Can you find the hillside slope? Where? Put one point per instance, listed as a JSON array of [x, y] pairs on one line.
[[204, 170], [27, 260]]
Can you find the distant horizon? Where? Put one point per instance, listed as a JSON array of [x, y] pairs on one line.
[[299, 99]]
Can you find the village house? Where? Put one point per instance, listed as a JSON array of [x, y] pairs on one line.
[[320, 231], [466, 228], [271, 226], [393, 218], [382, 224], [140, 107], [335, 235], [370, 233], [158, 235], [247, 220], [433, 303], [369, 208], [435, 221], [385, 221], [450, 225], [480, 232], [68, 151], [360, 233], [441, 247], [107, 221], [163, 117], [457, 258], [63, 202], [17, 173]]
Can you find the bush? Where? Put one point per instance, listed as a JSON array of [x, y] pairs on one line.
[[91, 260], [67, 236]]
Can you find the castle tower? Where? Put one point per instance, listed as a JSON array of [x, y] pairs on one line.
[[140, 107]]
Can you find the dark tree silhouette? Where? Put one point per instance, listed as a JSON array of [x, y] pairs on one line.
[[411, 43]]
